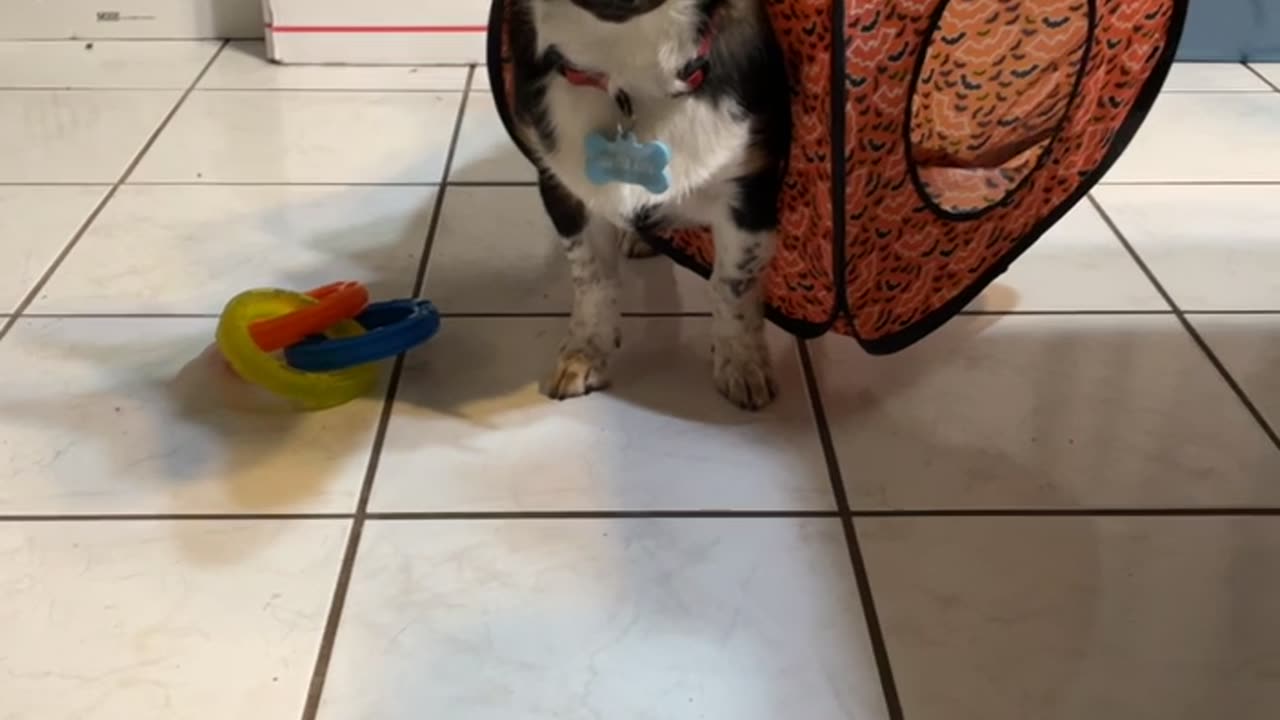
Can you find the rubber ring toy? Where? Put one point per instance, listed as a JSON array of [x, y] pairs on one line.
[[337, 301], [310, 391], [391, 328]]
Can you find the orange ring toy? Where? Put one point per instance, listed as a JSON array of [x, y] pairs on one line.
[[338, 301]]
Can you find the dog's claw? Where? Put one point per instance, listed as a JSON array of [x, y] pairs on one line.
[[742, 374], [577, 373], [634, 247]]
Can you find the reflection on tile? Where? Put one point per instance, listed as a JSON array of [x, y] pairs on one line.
[[1078, 265], [1213, 77], [1201, 137], [1069, 618], [243, 66], [198, 620], [470, 430], [1212, 247], [76, 136], [673, 619], [151, 64], [191, 249], [1044, 412], [36, 223], [1249, 347], [485, 151], [103, 416], [298, 136], [496, 252]]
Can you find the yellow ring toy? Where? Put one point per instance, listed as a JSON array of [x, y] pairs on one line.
[[309, 390]]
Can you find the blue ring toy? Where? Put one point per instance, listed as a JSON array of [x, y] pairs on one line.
[[392, 328]]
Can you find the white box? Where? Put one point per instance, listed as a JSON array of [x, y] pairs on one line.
[[125, 19], [376, 32]]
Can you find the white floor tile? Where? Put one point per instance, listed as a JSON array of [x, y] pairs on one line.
[[192, 620], [243, 66], [298, 136], [1069, 618], [76, 136], [485, 151], [1198, 137], [497, 252], [1271, 71], [681, 620], [190, 249], [1213, 77], [99, 416], [1044, 412], [1211, 247], [1078, 265], [153, 64], [35, 224], [1249, 347], [470, 430]]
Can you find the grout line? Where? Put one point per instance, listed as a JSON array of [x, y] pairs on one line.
[[536, 315], [86, 88], [1153, 512], [421, 278], [1070, 313], [1054, 313], [571, 515], [1188, 183], [862, 576], [198, 90], [124, 40], [1266, 80], [120, 316], [276, 183], [341, 90], [328, 638], [494, 183], [533, 184], [34, 292], [54, 183], [169, 517], [298, 183], [1216, 92], [605, 515], [674, 315], [1189, 327]]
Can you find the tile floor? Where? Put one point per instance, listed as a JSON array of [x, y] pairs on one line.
[[1064, 506]]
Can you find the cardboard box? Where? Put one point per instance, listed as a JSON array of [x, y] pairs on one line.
[[129, 19], [376, 32]]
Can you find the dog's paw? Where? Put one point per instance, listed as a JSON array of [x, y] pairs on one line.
[[578, 372], [634, 247], [742, 373]]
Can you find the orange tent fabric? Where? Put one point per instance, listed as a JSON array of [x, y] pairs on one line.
[[933, 142]]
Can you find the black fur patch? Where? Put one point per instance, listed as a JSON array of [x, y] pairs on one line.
[[531, 73], [567, 212]]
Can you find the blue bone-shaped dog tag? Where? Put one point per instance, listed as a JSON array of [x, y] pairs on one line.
[[629, 161]]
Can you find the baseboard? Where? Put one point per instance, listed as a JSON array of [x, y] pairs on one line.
[[129, 19], [376, 32]]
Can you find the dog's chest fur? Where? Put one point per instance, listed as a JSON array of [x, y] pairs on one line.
[[709, 137]]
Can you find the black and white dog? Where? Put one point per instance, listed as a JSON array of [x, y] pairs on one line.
[[706, 78]]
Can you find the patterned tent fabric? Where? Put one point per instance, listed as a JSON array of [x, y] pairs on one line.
[[933, 142]]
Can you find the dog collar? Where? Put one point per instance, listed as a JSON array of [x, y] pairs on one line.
[[693, 73]]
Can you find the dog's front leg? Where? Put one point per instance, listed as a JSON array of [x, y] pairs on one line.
[[740, 358], [591, 245]]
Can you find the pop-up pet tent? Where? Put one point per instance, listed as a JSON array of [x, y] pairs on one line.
[[933, 142]]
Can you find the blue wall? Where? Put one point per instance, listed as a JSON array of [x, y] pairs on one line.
[[1232, 30]]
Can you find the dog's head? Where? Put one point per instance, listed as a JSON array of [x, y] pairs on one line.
[[616, 11]]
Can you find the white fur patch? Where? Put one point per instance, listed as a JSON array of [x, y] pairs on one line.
[[642, 56]]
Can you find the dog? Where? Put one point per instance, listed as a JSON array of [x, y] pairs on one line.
[[707, 80]]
